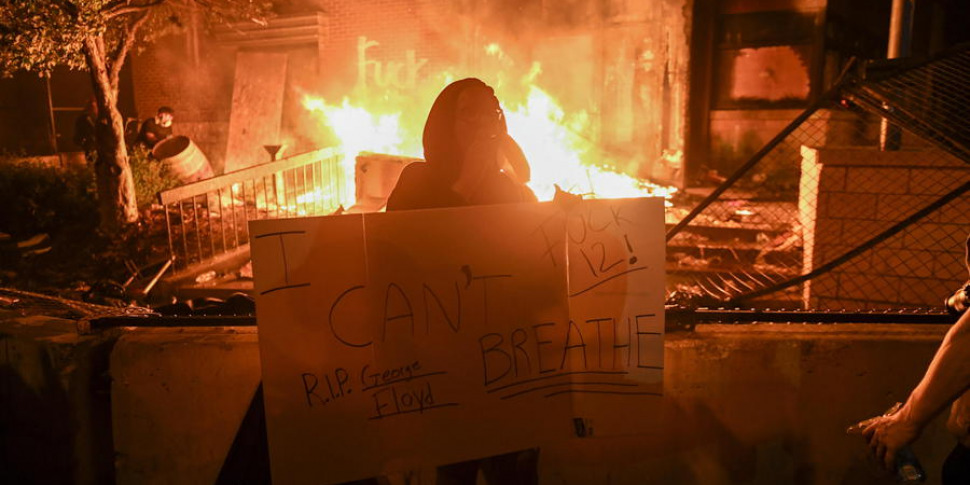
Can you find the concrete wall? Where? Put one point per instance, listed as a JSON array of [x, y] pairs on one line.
[[765, 404], [55, 402], [743, 404], [178, 399], [849, 195]]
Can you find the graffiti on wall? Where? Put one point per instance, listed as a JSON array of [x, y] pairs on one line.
[[386, 73]]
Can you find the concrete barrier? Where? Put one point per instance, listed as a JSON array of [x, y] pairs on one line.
[[179, 396], [766, 404], [55, 401], [743, 404]]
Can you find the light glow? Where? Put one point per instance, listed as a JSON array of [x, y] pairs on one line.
[[554, 141]]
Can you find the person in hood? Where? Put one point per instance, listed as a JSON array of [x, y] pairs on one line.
[[470, 159]]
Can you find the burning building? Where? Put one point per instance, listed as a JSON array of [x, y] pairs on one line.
[[607, 99], [599, 87], [584, 84]]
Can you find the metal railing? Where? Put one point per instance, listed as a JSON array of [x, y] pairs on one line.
[[209, 219]]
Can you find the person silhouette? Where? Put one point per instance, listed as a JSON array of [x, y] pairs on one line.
[[158, 128], [470, 159]]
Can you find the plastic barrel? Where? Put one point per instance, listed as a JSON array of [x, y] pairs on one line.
[[183, 159]]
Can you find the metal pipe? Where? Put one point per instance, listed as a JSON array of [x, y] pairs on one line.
[[688, 317], [900, 29], [306, 203], [232, 204], [209, 225], [158, 275], [674, 316], [222, 220], [245, 212], [168, 228], [900, 40], [50, 112], [185, 234], [198, 227]]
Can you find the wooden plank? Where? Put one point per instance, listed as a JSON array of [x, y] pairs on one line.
[[257, 107]]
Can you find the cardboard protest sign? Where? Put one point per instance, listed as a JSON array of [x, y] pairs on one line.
[[398, 340], [616, 293]]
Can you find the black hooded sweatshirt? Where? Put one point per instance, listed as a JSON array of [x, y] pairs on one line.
[[428, 185]]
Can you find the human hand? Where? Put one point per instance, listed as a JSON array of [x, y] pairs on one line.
[[887, 434], [479, 161], [512, 160]]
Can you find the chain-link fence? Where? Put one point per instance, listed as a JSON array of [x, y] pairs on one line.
[[876, 221]]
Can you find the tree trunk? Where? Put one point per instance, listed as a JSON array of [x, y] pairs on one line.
[[116, 187]]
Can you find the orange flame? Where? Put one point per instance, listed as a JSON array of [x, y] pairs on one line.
[[551, 139]]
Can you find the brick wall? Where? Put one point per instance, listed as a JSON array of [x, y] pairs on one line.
[[200, 92], [405, 44], [735, 135], [849, 195], [397, 26]]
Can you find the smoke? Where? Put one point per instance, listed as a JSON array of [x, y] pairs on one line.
[[587, 56]]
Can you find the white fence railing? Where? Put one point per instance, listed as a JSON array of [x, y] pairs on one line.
[[209, 219]]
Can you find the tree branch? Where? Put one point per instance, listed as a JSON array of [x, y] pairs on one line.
[[125, 43], [117, 9], [96, 65], [99, 48]]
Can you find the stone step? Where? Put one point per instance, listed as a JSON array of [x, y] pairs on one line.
[[729, 231], [731, 256]]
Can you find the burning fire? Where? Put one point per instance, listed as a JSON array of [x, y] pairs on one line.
[[559, 155], [360, 130], [551, 138]]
